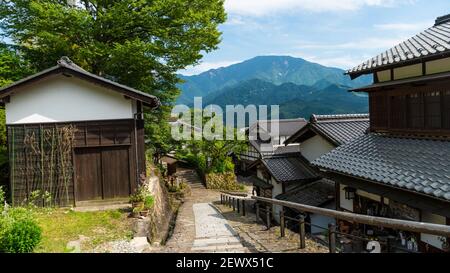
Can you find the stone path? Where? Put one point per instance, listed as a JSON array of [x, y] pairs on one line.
[[195, 217], [203, 225], [212, 231]]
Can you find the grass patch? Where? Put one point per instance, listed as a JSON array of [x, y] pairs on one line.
[[59, 226]]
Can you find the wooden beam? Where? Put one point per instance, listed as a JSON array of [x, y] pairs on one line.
[[412, 226]]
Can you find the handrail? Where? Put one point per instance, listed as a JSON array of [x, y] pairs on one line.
[[240, 197], [412, 226]]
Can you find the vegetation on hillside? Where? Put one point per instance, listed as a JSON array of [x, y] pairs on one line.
[[294, 100], [272, 69]]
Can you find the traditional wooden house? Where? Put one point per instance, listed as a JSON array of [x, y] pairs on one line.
[[281, 173], [74, 136], [266, 141], [401, 168], [324, 133]]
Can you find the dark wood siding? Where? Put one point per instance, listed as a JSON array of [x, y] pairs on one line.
[[88, 174], [421, 109], [103, 155]]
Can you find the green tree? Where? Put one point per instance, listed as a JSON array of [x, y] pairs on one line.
[[12, 68], [138, 43], [211, 156]]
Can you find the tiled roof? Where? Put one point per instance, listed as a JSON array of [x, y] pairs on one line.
[[289, 168], [65, 65], [338, 129], [432, 42], [419, 165], [286, 127], [316, 194]]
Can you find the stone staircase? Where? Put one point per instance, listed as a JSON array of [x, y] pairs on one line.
[[191, 177]]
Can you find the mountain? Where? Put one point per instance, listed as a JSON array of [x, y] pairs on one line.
[[277, 70], [294, 100]]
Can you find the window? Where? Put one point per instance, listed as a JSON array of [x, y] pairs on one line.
[[446, 110], [432, 110], [378, 111], [398, 112], [415, 111]]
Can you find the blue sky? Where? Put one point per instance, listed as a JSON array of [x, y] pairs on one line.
[[338, 33]]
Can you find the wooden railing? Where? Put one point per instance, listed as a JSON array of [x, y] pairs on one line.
[[235, 200], [264, 205]]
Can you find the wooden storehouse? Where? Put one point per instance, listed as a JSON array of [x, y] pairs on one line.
[[74, 136], [402, 165]]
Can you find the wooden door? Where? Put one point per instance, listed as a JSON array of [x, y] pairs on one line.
[[102, 173], [88, 174], [116, 172]]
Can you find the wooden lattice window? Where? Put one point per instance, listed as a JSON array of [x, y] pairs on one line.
[[432, 102], [378, 111], [398, 112], [446, 110], [415, 111]]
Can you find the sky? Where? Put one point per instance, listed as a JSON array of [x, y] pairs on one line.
[[337, 33]]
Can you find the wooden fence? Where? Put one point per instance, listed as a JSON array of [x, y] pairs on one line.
[[264, 206]]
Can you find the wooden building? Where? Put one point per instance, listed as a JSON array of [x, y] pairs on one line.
[[74, 135], [266, 137], [401, 168]]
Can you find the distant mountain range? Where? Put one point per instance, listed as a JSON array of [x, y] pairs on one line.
[[298, 86]]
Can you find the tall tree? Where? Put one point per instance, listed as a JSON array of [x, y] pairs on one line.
[[12, 68], [138, 43]]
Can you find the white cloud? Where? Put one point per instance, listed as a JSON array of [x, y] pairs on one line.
[[343, 62], [205, 66], [266, 7], [364, 44], [404, 26]]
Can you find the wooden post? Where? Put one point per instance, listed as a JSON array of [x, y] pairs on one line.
[[243, 207], [237, 205], [257, 212], [221, 199], [234, 207], [282, 223], [268, 216], [301, 226], [332, 237]]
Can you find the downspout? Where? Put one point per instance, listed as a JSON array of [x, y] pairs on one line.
[[136, 150]]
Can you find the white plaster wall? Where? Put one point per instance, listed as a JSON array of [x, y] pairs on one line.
[[277, 189], [346, 204], [315, 147], [428, 238], [60, 98]]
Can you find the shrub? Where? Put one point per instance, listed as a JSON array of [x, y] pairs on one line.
[[149, 201], [19, 232], [22, 236]]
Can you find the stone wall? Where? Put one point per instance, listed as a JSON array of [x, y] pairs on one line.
[[221, 181], [161, 214]]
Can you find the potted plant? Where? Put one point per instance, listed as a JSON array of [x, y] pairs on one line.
[[148, 204], [137, 198]]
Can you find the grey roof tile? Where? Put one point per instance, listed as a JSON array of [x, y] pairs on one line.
[[430, 42], [289, 168], [313, 194], [419, 165], [338, 129]]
